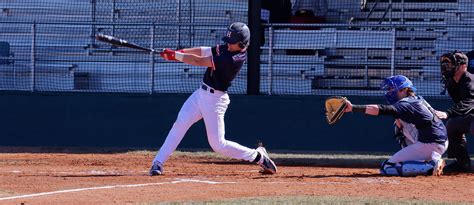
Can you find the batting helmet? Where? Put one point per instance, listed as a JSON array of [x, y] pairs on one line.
[[393, 84], [239, 33]]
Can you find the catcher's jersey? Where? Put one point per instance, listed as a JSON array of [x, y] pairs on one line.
[[415, 110], [226, 66]]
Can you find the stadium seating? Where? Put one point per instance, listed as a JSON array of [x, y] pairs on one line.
[[351, 56], [6, 57], [421, 28]]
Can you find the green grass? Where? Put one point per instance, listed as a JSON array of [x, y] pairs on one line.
[[5, 193], [313, 200], [297, 159], [280, 155]]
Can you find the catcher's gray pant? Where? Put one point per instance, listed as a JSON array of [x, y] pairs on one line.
[[420, 152], [211, 107]]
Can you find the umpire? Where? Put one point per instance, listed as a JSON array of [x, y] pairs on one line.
[[460, 86]]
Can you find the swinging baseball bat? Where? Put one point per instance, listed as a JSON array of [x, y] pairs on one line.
[[120, 42]]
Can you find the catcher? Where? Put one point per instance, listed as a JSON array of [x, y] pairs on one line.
[[420, 157]]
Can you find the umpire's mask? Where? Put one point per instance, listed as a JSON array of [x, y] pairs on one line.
[[450, 63]]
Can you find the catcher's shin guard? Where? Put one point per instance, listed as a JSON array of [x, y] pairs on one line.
[[409, 168], [390, 169]]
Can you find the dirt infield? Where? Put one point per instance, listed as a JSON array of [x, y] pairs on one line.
[[121, 178]]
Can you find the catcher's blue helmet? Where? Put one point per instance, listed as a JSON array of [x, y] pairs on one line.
[[393, 84], [238, 32]]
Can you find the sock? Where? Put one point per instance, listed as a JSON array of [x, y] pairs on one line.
[[257, 159]]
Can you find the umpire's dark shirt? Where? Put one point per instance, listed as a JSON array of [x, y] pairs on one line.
[[462, 94], [226, 66]]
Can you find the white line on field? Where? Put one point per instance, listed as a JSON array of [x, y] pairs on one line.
[[113, 187]]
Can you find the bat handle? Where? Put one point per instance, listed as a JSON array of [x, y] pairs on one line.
[[156, 51]]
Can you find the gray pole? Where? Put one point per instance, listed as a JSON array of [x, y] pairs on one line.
[[33, 56], [403, 12], [390, 4], [93, 20], [366, 75], [113, 17], [191, 28], [270, 60], [392, 62], [178, 31], [152, 59]]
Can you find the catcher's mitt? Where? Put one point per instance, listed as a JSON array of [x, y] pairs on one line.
[[335, 106]]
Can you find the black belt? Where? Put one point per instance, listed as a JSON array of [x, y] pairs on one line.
[[207, 88]]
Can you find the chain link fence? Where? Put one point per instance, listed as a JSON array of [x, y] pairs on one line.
[[339, 48]]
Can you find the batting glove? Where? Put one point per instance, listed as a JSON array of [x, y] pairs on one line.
[[168, 54]]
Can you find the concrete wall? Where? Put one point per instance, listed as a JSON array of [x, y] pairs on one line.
[[281, 122]]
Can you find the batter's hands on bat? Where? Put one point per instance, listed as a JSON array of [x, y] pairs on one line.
[[441, 115], [168, 54]]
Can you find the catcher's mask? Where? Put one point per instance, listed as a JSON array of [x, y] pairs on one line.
[[393, 84], [239, 33], [450, 63]]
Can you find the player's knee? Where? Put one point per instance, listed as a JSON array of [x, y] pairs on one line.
[[406, 169], [180, 122], [218, 146]]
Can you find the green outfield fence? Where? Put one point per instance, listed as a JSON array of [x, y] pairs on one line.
[[329, 48]]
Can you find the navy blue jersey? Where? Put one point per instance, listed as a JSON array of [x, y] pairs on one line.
[[415, 110], [226, 66]]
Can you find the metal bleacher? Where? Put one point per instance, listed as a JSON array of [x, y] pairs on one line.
[[422, 34], [65, 50], [407, 38], [422, 31], [315, 70]]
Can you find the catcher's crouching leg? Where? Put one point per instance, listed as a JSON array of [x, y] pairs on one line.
[[407, 169]]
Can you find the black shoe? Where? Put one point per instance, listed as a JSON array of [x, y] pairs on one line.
[[456, 167], [267, 165], [156, 169]]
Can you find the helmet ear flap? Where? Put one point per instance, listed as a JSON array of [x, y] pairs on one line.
[[241, 45]]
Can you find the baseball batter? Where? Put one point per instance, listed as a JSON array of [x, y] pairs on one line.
[[210, 100], [420, 157]]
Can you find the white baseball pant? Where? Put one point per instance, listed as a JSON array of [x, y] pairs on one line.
[[420, 152], [211, 107]]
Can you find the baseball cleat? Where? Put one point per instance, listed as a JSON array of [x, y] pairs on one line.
[[438, 167], [268, 166], [156, 169]]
